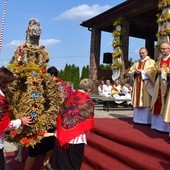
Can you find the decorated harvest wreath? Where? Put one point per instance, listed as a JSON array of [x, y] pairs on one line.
[[34, 93]]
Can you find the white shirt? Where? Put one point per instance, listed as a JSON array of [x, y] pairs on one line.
[[77, 140], [107, 90]]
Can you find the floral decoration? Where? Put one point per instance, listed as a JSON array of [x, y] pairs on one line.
[[116, 65], [163, 4], [116, 44], [117, 53], [34, 93], [163, 21]]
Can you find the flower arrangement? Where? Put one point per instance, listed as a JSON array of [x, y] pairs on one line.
[[116, 44], [116, 33], [26, 141], [163, 18], [163, 32], [163, 4], [116, 65], [34, 93], [117, 54], [117, 22], [163, 22]]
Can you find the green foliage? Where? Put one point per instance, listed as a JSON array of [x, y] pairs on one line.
[[67, 74], [72, 73], [61, 74], [131, 62], [85, 72], [104, 67], [76, 78]]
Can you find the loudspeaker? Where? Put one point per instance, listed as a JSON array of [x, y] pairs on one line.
[[107, 58]]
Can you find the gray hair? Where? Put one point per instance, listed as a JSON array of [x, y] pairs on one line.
[[86, 84]]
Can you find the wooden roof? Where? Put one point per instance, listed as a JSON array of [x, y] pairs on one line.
[[140, 13]]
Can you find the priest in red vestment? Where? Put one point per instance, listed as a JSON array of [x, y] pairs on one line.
[[160, 100]]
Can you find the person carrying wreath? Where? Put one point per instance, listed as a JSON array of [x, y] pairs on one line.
[[6, 78]]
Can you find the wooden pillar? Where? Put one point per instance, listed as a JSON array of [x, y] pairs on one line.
[[149, 44], [95, 53], [125, 42]]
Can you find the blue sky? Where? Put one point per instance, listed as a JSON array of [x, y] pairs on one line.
[[62, 35]]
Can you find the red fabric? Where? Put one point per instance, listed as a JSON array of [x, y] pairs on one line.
[[58, 80], [4, 122], [75, 117], [4, 114], [64, 136], [158, 104], [165, 63], [116, 144]]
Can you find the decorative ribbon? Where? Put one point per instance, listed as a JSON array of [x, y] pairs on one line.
[[2, 24]]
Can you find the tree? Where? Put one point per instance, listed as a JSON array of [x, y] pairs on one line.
[[85, 72], [76, 78]]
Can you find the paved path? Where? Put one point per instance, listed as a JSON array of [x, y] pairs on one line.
[[99, 113], [112, 113]]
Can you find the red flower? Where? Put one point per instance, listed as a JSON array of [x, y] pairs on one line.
[[42, 70], [35, 105], [42, 47], [26, 140], [14, 133], [41, 133], [35, 83]]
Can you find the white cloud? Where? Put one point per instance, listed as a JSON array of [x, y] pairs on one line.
[[47, 42], [83, 11], [15, 43]]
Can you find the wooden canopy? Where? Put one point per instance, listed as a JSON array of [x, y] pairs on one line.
[[140, 13], [139, 21]]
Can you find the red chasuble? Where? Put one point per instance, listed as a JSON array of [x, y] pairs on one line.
[[158, 104]]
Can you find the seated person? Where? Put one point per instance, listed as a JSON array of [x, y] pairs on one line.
[[107, 89], [127, 91], [100, 88], [116, 88], [117, 92]]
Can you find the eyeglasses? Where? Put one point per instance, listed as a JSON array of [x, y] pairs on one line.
[[164, 48]]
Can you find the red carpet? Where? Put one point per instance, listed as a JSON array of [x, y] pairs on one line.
[[119, 144], [15, 165]]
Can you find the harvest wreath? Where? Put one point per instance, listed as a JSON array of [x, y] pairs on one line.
[[34, 93]]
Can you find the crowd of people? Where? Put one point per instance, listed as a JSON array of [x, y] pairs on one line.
[[117, 90], [149, 90], [63, 144]]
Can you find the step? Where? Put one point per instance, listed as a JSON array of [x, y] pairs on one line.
[[86, 165], [131, 140], [122, 153], [101, 161]]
